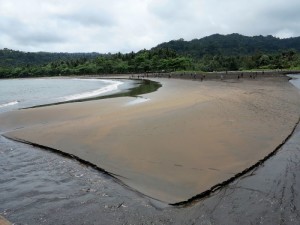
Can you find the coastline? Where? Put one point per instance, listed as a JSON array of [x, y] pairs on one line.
[[179, 102], [24, 93]]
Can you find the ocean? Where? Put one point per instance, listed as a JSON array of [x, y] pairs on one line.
[[23, 93], [296, 80]]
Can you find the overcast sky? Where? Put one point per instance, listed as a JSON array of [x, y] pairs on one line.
[[131, 25]]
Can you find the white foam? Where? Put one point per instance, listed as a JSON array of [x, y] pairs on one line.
[[9, 104], [90, 79], [137, 101], [296, 80], [113, 85]]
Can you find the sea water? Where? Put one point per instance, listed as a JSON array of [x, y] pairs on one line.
[[296, 80], [22, 93]]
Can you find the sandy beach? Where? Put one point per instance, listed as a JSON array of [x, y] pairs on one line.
[[174, 143]]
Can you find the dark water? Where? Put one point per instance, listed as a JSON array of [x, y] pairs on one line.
[[39, 187]]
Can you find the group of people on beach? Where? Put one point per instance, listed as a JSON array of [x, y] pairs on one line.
[[194, 76]]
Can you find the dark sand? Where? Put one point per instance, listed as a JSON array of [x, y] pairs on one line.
[[188, 137], [3, 221]]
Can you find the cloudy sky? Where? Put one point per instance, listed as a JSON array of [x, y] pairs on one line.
[[130, 25]]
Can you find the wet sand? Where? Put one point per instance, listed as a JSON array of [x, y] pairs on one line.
[[3, 221], [188, 137]]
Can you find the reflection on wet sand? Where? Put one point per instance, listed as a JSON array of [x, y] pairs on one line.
[[188, 137]]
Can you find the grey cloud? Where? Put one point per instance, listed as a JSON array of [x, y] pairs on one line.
[[173, 10], [116, 25], [22, 34], [278, 17], [89, 17], [7, 24], [281, 12], [42, 37]]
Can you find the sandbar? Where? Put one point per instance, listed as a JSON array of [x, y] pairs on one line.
[[174, 143]]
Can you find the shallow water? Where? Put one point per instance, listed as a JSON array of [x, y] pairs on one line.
[[39, 187]]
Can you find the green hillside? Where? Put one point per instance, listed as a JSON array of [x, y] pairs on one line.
[[10, 57], [214, 53], [231, 45]]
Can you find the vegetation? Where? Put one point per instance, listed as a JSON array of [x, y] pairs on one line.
[[9, 58], [141, 62], [232, 45], [289, 59], [213, 53]]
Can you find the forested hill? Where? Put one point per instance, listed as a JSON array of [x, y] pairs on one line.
[[9, 58], [232, 45], [214, 53]]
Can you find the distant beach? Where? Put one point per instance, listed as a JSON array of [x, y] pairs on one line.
[[180, 141]]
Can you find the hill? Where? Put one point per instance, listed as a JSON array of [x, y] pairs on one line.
[[11, 58], [232, 45], [213, 53]]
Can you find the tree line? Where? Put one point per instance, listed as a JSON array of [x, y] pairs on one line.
[[160, 60], [218, 53], [231, 45], [155, 61]]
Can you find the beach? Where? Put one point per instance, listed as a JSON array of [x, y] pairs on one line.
[[171, 144]]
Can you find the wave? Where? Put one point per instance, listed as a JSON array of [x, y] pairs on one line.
[[137, 101], [9, 104], [112, 86], [90, 79]]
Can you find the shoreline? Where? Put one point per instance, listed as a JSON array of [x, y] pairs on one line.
[[116, 87], [175, 105], [143, 87], [217, 187], [176, 74], [194, 75], [19, 94], [186, 203]]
